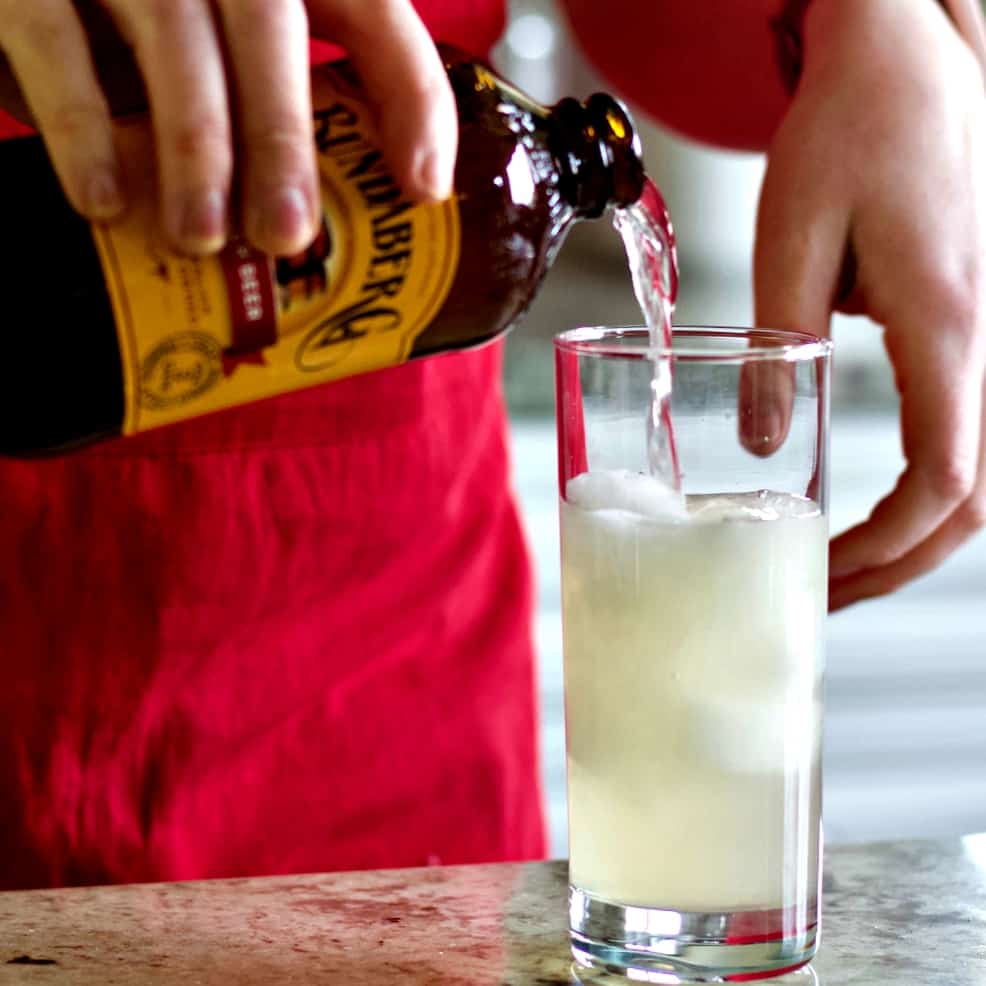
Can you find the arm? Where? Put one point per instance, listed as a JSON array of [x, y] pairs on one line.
[[874, 202]]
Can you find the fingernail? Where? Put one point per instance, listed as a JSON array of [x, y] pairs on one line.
[[283, 219], [771, 425], [203, 223], [763, 430], [104, 199], [433, 175]]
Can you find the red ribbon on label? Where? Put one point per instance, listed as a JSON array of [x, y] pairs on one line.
[[249, 278]]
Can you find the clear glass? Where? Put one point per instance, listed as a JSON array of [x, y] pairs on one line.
[[693, 652]]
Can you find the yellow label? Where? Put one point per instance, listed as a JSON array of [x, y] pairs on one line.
[[201, 334]]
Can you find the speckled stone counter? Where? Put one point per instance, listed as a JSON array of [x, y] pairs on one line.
[[903, 913]]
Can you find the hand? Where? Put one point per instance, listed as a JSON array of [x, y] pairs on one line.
[[223, 79], [879, 169]]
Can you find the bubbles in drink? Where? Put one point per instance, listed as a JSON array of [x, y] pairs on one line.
[[693, 692], [648, 238]]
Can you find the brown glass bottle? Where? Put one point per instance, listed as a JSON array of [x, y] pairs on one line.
[[525, 173]]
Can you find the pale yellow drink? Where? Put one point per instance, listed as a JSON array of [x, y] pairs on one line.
[[693, 662]]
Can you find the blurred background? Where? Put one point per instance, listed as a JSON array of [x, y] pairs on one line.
[[905, 743]]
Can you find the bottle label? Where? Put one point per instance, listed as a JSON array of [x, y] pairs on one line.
[[202, 334]]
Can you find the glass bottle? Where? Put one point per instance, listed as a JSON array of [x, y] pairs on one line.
[[109, 332]]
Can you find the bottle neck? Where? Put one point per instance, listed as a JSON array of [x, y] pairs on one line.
[[598, 154]]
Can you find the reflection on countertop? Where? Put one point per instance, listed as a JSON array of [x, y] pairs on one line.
[[911, 912]]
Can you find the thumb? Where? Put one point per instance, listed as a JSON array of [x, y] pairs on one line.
[[801, 232]]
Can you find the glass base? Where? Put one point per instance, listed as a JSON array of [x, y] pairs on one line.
[[654, 945]]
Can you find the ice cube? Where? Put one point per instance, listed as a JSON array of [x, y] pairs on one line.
[[632, 492], [747, 734], [759, 505]]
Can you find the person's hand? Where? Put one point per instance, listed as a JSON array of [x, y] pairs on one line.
[[227, 78], [874, 201]]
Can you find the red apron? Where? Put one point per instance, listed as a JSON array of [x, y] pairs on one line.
[[292, 636]]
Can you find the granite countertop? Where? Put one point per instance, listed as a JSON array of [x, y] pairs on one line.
[[899, 913]]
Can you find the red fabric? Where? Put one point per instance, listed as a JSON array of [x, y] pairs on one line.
[[708, 70], [294, 636]]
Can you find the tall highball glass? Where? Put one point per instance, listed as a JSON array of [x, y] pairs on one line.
[[693, 650]]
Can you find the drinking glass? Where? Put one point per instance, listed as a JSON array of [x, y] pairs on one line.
[[693, 649]]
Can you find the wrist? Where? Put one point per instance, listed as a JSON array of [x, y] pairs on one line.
[[790, 23]]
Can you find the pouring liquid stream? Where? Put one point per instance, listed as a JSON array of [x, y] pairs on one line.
[[648, 239]]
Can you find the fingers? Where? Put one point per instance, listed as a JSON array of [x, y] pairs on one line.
[[406, 83], [179, 53], [766, 397], [801, 235], [268, 47], [49, 53], [178, 48], [962, 524], [113, 57], [798, 248], [940, 376]]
